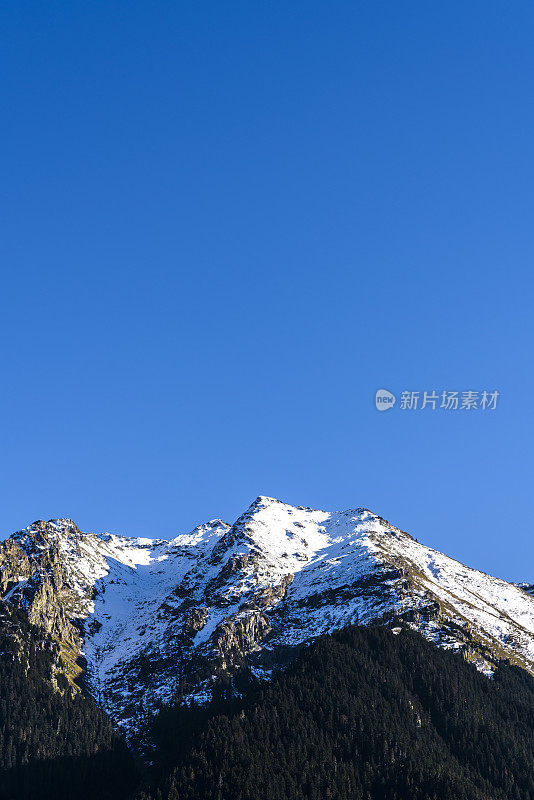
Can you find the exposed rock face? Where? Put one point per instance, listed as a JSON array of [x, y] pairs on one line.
[[33, 576], [18, 637], [239, 636], [271, 595], [195, 620], [14, 565], [142, 621]]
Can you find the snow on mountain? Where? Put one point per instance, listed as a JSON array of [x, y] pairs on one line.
[[157, 619]]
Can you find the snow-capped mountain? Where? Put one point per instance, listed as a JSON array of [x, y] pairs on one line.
[[142, 621]]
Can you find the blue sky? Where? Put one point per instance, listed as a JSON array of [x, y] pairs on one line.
[[225, 225]]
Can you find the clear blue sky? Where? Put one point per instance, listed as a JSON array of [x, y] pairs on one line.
[[225, 225]]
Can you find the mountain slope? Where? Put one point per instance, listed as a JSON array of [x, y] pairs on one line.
[[53, 743], [144, 622], [360, 715]]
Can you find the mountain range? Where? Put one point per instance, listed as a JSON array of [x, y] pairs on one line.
[[142, 623]]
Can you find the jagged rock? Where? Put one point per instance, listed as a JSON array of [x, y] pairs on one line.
[[195, 620], [239, 636], [271, 595], [14, 565]]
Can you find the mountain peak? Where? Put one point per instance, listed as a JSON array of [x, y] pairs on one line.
[[42, 532], [225, 595], [61, 523], [262, 500]]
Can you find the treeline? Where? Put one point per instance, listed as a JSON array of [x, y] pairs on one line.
[[52, 744], [361, 715]]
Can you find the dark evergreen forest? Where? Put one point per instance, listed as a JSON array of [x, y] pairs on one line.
[[53, 743], [361, 714]]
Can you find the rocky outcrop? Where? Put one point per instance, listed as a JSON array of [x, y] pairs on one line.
[[14, 565], [237, 637], [236, 566], [33, 578], [18, 639], [267, 597], [195, 620]]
